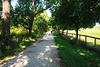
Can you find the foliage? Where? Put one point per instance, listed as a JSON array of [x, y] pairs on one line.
[[22, 18], [70, 53], [26, 11], [53, 24], [19, 41], [76, 14], [94, 32], [22, 14], [41, 23], [0, 6], [97, 12]]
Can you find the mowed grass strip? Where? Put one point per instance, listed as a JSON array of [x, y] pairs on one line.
[[94, 32], [73, 55]]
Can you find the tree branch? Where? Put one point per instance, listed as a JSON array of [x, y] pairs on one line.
[[40, 11]]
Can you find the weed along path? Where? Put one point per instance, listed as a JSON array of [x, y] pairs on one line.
[[43, 53]]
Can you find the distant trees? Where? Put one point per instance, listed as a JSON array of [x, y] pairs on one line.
[[6, 18], [26, 11], [76, 14], [41, 22]]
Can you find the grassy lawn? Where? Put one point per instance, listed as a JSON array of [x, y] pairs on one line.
[[95, 32], [73, 55]]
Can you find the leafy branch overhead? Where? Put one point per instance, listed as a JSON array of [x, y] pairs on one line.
[[41, 5], [26, 11]]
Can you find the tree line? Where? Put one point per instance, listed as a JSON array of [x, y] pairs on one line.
[[66, 14], [26, 9], [76, 14], [29, 16]]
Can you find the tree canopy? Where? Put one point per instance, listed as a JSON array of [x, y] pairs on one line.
[[76, 14], [0, 5], [26, 11]]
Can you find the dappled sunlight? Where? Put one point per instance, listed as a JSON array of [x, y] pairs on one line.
[[48, 59], [54, 46], [70, 52], [82, 54], [44, 54], [40, 55], [47, 50], [20, 60]]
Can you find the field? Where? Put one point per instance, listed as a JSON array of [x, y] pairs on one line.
[[73, 55], [94, 32]]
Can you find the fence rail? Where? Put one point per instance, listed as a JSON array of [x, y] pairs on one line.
[[95, 38]]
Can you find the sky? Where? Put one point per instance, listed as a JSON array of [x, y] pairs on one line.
[[97, 24], [14, 2]]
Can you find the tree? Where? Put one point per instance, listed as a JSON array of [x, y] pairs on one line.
[[6, 18], [41, 23], [98, 11], [76, 14], [32, 8], [0, 5], [0, 8]]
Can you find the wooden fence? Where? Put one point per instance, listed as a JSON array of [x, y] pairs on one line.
[[79, 35]]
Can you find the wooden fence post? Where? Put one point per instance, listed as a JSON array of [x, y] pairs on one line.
[[95, 38], [85, 39], [79, 37], [66, 34], [94, 42], [72, 35]]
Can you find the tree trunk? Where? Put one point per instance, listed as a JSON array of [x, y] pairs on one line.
[[67, 33], [77, 32], [30, 27], [31, 20], [6, 18]]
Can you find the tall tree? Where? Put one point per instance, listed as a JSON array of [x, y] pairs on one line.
[[30, 9], [0, 5], [76, 14], [39, 6], [98, 11], [6, 18]]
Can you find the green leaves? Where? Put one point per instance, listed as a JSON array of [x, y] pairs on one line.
[[0, 5], [72, 13], [41, 23]]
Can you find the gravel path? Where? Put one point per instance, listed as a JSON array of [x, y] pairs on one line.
[[43, 53]]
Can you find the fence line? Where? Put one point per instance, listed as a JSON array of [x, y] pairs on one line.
[[95, 38]]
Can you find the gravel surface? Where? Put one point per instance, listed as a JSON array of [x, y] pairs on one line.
[[43, 53]]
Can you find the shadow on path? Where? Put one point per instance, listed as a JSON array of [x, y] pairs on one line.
[[43, 54]]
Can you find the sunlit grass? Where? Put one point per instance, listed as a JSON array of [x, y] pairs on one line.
[[94, 32], [72, 55], [19, 41]]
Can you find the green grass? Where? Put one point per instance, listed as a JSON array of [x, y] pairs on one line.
[[15, 47], [95, 32], [73, 55], [18, 42]]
